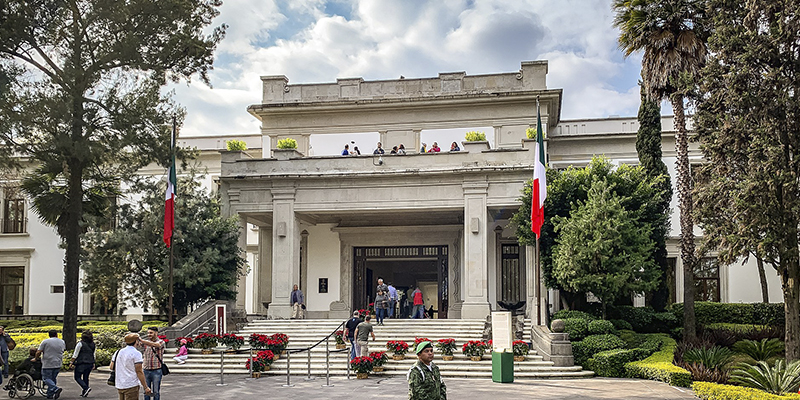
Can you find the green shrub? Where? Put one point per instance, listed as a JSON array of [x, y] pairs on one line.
[[759, 350], [644, 319], [601, 327], [611, 363], [591, 345], [714, 357], [777, 379], [659, 366], [103, 356], [236, 145], [708, 312], [287, 143], [715, 391], [577, 328], [475, 136], [564, 314], [621, 324]]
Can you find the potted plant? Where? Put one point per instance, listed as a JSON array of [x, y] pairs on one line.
[[232, 341], [261, 362], [530, 141], [475, 142], [418, 340], [206, 341], [362, 366], [474, 349], [398, 347], [339, 335], [379, 358], [521, 350], [362, 313], [236, 145], [446, 346], [279, 342], [259, 341], [286, 149]]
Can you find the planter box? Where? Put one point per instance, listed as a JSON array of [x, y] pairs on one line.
[[398, 357], [362, 375], [341, 346], [207, 351], [286, 154], [475, 358], [519, 358], [447, 358], [377, 369], [475, 147], [529, 144]]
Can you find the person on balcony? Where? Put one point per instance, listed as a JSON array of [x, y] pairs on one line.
[[401, 150], [346, 151], [454, 147], [379, 150], [435, 148]]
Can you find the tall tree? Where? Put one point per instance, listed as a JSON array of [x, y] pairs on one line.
[[208, 260], [648, 147], [603, 249], [671, 34], [748, 124], [86, 104]]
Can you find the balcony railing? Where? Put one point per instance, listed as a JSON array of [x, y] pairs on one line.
[[14, 225]]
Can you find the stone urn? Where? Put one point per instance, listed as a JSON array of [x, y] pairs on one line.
[[475, 147], [519, 358], [398, 357], [475, 358], [447, 358], [377, 369], [362, 375]]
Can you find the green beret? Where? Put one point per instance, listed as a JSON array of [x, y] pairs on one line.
[[422, 346]]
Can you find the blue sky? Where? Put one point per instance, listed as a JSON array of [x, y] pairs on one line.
[[318, 41]]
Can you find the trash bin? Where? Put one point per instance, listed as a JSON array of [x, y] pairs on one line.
[[502, 367]]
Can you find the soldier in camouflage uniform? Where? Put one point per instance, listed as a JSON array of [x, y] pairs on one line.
[[424, 380]]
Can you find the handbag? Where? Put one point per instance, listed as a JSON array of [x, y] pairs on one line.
[[164, 367], [112, 378], [11, 343]]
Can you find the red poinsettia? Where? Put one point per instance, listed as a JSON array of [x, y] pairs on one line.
[[397, 346], [362, 364]]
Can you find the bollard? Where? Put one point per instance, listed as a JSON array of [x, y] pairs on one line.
[[288, 367], [347, 360], [251, 365], [327, 364], [308, 374], [221, 369]]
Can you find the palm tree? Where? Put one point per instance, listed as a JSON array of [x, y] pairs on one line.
[[672, 38]]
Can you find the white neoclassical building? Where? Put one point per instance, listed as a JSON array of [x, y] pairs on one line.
[[334, 224]]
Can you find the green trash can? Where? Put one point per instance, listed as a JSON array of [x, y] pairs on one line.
[[502, 367]]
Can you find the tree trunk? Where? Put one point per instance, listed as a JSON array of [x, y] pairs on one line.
[[684, 186], [73, 250], [762, 276], [791, 302]]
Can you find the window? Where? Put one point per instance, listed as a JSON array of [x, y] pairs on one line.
[[14, 220], [706, 280], [56, 288], [12, 281]]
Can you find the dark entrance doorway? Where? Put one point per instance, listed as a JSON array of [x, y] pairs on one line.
[[405, 267]]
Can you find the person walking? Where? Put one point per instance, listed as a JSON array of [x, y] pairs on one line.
[[298, 303], [153, 356], [350, 332], [183, 353], [424, 379], [128, 373], [82, 361], [392, 300], [382, 287], [363, 330], [381, 306], [51, 352], [6, 344], [419, 304]]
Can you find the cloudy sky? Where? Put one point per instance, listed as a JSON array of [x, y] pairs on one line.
[[313, 41]]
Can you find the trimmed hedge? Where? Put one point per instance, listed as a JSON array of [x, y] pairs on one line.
[[621, 324], [611, 363], [601, 327], [565, 314], [708, 313], [716, 391], [586, 348], [577, 328], [736, 328], [659, 366]]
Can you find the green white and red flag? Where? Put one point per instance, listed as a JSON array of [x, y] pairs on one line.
[[539, 187], [169, 198]]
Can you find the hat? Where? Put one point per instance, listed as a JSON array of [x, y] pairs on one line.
[[131, 338], [422, 346], [183, 341]]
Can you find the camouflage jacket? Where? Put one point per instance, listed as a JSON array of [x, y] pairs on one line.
[[424, 385]]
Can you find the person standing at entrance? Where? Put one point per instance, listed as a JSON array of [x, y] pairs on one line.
[[381, 306], [419, 304], [392, 299], [363, 330], [350, 333], [298, 303], [51, 351]]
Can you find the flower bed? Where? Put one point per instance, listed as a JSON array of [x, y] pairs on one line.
[[716, 391], [262, 360], [659, 366]]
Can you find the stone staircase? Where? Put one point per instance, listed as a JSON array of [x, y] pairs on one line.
[[304, 333]]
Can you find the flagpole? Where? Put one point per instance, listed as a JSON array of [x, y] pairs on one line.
[[538, 290], [172, 244]]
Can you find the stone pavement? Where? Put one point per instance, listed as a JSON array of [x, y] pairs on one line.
[[201, 387]]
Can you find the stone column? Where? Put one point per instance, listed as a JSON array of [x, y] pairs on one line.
[[285, 251], [241, 284], [476, 294], [263, 277], [531, 284]]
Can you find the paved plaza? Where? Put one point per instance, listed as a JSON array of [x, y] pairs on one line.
[[198, 387]]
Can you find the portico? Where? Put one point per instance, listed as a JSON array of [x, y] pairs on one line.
[[435, 215]]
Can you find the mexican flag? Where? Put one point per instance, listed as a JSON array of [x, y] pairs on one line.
[[169, 199], [539, 187]]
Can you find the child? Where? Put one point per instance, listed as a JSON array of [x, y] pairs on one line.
[[183, 354]]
